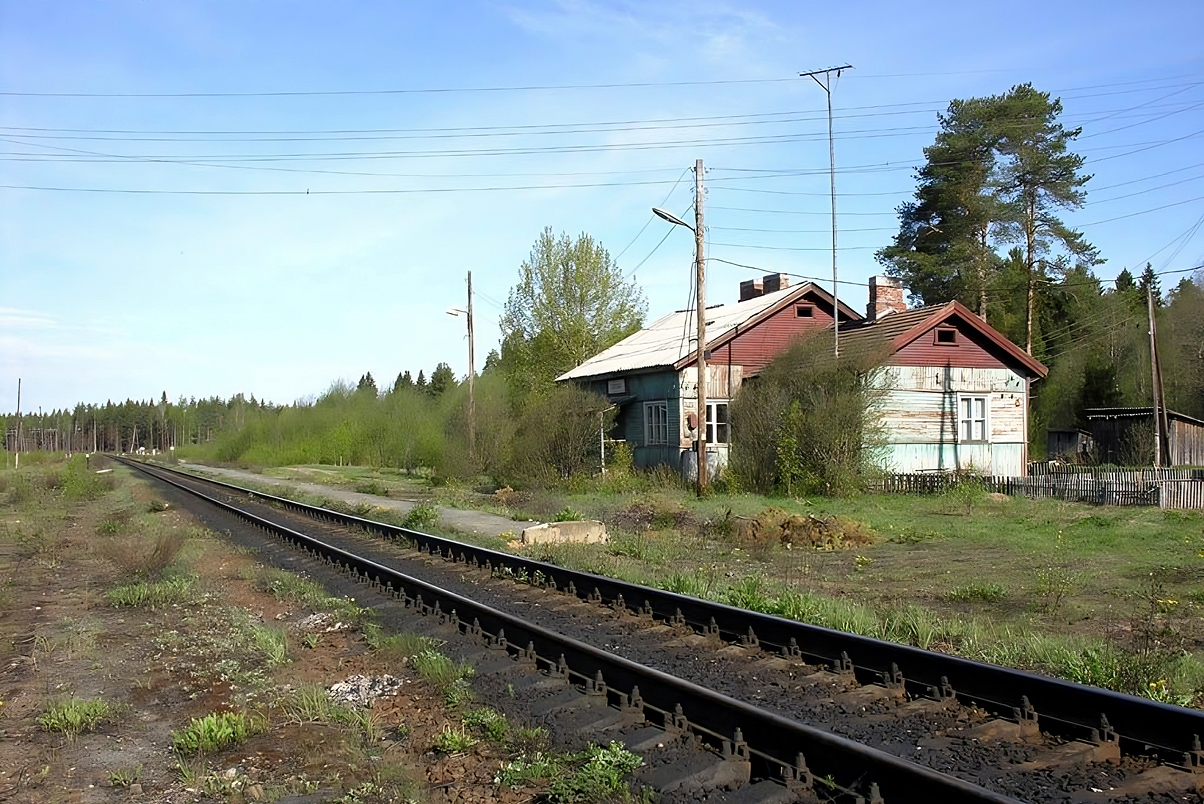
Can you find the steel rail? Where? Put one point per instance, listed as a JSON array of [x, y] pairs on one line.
[[1060, 706], [797, 750]]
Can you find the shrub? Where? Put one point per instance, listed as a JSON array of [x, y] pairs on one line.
[[806, 425], [557, 435], [423, 515]]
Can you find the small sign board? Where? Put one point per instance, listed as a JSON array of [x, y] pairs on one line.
[[615, 387]]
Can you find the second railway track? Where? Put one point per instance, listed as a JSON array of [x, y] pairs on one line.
[[773, 698]]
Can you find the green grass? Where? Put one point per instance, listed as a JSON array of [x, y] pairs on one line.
[[438, 669], [454, 741], [215, 731], [273, 643], [152, 595], [75, 716], [490, 722], [398, 647], [978, 592], [594, 775]]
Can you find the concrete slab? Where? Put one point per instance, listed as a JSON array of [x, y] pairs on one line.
[[588, 531]]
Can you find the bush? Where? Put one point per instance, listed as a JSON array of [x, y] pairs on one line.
[[557, 436], [421, 516], [806, 425]]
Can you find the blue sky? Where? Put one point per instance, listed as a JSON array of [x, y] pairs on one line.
[[279, 239]]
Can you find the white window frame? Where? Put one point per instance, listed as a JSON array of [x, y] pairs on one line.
[[656, 423], [973, 418], [712, 423]]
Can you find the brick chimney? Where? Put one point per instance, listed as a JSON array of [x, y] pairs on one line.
[[775, 282], [751, 289], [886, 296]]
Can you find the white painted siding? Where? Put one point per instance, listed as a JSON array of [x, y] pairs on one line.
[[918, 410]]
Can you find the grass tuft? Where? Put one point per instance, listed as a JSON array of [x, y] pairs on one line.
[[214, 732], [75, 716], [151, 595]]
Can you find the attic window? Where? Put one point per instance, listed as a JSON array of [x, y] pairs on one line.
[[804, 311], [946, 336]]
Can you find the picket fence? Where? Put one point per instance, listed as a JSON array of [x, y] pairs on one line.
[[1170, 489]]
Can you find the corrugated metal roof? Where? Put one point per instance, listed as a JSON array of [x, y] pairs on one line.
[[671, 338]]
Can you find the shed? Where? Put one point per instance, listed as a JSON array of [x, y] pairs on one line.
[[1125, 436]]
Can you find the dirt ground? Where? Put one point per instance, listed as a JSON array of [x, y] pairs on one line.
[[159, 667]]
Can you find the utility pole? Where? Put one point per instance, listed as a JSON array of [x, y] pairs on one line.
[[825, 85], [18, 422], [700, 279], [472, 404], [1160, 419]]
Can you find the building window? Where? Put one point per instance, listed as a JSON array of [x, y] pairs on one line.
[[946, 336], [718, 428], [656, 423], [804, 311], [972, 419]]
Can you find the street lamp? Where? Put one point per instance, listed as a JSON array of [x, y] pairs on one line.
[[700, 283]]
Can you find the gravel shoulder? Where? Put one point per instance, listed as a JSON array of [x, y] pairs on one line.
[[467, 521]]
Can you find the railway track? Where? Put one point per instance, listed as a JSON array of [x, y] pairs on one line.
[[811, 713]]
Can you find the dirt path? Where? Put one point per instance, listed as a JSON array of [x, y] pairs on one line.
[[461, 519]]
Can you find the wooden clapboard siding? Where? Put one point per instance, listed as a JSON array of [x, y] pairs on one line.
[[917, 407], [764, 340]]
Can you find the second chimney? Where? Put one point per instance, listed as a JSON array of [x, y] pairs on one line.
[[886, 296], [775, 282]]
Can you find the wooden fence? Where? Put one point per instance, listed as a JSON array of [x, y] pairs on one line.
[[1167, 488]]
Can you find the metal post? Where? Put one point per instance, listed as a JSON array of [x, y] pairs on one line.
[[825, 85]]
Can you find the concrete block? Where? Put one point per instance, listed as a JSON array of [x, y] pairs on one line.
[[583, 532]]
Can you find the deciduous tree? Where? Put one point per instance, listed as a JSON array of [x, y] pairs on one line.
[[570, 303]]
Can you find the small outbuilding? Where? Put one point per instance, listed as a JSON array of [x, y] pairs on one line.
[[1125, 436]]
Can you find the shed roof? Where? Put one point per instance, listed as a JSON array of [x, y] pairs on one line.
[[1137, 413], [671, 339]]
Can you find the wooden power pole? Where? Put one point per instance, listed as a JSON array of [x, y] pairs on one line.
[[700, 279], [472, 404], [1160, 419]]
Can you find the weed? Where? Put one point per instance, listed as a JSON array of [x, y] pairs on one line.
[[156, 507], [402, 646], [109, 527], [214, 732], [133, 559], [423, 515], [124, 777], [438, 669], [491, 722], [458, 692], [151, 595], [372, 487], [748, 593], [273, 643], [454, 741], [75, 716], [977, 592], [567, 514], [311, 639], [593, 775]]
